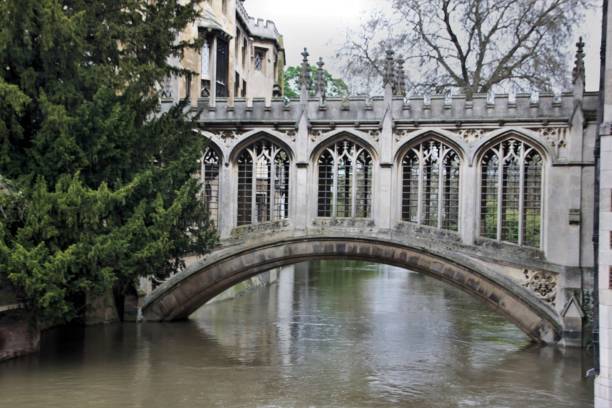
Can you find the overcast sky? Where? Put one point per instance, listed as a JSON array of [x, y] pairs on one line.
[[321, 26]]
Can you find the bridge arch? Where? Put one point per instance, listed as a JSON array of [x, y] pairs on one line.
[[185, 292]]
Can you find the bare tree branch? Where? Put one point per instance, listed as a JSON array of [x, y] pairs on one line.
[[473, 46]]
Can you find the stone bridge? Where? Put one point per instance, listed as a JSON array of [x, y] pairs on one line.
[[492, 194]]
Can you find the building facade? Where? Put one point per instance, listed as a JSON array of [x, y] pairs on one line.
[[603, 384], [241, 57]]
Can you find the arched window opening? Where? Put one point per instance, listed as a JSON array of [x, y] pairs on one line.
[[345, 181], [430, 185], [263, 183], [511, 193], [209, 179]]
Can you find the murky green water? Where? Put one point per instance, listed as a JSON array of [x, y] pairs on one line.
[[332, 334]]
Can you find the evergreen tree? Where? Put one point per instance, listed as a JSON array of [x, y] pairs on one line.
[[97, 185]]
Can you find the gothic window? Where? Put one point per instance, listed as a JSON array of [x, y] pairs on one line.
[[263, 183], [209, 179], [345, 181], [260, 57], [511, 193], [430, 185]]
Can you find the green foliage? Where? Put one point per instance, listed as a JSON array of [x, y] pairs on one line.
[[510, 222], [333, 86], [97, 186]]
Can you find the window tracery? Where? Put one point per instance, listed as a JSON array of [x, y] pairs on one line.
[[345, 181], [430, 188], [263, 183], [511, 193], [209, 179]]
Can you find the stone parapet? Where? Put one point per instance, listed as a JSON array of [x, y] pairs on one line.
[[414, 110], [18, 335]]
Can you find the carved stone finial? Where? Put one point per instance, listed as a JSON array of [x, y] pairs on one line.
[[389, 73], [579, 70], [305, 70], [400, 77], [320, 78]]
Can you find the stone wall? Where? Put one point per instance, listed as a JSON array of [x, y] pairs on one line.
[[18, 336], [603, 384]]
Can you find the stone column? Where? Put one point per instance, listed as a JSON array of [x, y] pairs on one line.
[[383, 194], [226, 204], [212, 101], [469, 201], [301, 210], [383, 180]]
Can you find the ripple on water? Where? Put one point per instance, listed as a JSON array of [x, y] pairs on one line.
[[333, 334]]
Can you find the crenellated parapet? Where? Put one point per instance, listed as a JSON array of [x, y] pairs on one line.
[[419, 110]]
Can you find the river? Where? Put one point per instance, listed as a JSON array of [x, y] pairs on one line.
[[329, 334]]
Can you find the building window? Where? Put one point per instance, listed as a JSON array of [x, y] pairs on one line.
[[237, 43], [167, 91], [263, 183], [237, 84], [430, 188], [205, 61], [245, 46], [511, 193], [222, 68], [260, 59], [209, 179], [345, 181]]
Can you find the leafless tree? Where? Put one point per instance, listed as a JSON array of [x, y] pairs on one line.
[[473, 46]]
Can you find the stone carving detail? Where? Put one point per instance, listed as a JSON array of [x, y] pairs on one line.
[[470, 135], [226, 137], [344, 222], [291, 134], [316, 133], [400, 134], [555, 137], [543, 284], [374, 134]]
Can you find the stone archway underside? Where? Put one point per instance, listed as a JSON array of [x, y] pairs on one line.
[[187, 291]]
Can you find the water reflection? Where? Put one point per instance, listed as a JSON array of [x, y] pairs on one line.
[[341, 334]]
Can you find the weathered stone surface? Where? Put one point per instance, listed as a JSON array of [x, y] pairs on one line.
[[101, 309], [18, 334]]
